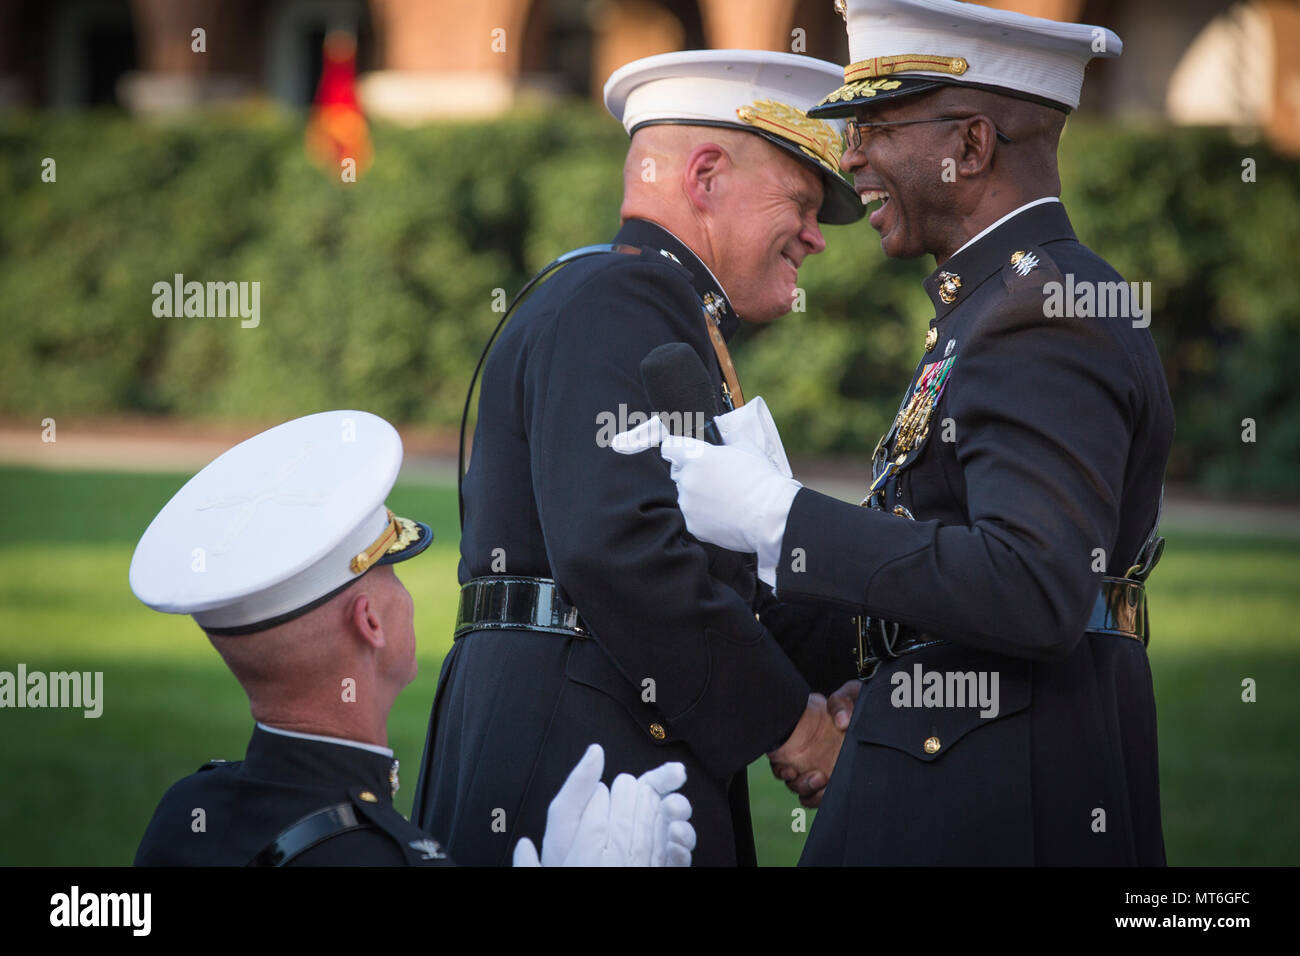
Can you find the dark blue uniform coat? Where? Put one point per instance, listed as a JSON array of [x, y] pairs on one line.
[[678, 667], [1042, 465], [248, 803]]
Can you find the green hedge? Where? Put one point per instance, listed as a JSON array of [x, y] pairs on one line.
[[379, 294]]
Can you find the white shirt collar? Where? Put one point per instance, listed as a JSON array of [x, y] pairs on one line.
[[1015, 212], [373, 748]]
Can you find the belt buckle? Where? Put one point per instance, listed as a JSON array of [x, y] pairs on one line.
[[571, 619], [869, 655], [866, 663]]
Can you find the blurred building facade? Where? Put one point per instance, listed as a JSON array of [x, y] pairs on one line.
[[1214, 62]]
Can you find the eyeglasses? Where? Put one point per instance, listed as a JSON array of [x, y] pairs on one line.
[[854, 138]]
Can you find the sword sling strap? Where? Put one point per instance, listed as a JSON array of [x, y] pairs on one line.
[[724, 361], [308, 832], [715, 336], [545, 271]]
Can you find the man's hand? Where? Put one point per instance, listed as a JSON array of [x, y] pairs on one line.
[[806, 760], [736, 495], [636, 822], [840, 704]]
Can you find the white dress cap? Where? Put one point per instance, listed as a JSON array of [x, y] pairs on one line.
[[278, 524], [898, 47], [754, 90]]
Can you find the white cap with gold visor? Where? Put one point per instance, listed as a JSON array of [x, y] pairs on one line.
[[278, 524]]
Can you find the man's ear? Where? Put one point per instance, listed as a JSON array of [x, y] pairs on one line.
[[363, 620], [975, 151], [705, 167]]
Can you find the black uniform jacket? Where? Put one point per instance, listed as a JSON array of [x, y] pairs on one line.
[[1041, 469], [678, 667], [246, 804]]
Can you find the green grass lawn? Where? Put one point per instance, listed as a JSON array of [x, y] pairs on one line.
[[80, 791]]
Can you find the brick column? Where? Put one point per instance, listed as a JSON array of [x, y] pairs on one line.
[[1282, 122], [173, 76], [442, 57], [745, 25]]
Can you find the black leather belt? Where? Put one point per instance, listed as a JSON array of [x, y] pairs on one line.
[[1119, 611], [512, 602]]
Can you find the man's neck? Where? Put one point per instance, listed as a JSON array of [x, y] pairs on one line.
[[991, 221], [368, 728], [690, 241]]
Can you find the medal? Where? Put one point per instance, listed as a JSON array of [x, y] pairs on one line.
[[913, 423]]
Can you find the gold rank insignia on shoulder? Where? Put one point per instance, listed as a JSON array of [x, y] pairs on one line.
[[1024, 262], [931, 339], [842, 10], [949, 283]]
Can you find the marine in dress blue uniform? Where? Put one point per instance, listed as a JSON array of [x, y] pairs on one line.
[[667, 659], [982, 550], [294, 800], [279, 550], [1011, 518]]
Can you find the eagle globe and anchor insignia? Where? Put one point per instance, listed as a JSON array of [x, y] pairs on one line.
[[949, 283]]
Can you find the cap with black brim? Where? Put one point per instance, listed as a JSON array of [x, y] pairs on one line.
[[900, 48], [840, 204], [278, 525], [759, 91]]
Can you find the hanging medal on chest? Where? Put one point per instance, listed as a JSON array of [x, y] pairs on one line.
[[913, 424]]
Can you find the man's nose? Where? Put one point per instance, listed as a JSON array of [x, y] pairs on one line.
[[812, 237], [853, 157]]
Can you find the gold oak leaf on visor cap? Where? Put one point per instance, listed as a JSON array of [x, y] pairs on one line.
[[278, 525], [758, 91], [903, 47]]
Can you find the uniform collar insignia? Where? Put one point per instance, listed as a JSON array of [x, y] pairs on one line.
[[430, 849], [989, 254], [715, 305], [640, 232], [393, 782], [949, 284], [1024, 262]]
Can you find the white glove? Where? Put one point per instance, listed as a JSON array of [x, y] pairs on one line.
[[637, 822], [736, 495]]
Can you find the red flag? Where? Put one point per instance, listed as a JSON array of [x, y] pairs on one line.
[[336, 131]]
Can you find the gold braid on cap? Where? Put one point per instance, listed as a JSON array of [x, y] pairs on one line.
[[362, 562], [904, 63], [818, 138], [866, 78]]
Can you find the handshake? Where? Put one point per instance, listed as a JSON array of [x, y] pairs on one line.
[[806, 760], [738, 495]]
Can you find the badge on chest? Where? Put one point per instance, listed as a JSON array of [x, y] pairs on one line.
[[901, 445], [912, 425]]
